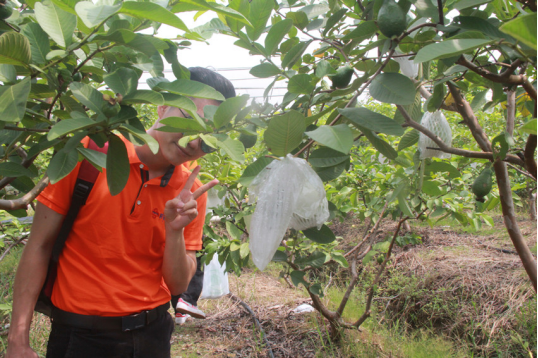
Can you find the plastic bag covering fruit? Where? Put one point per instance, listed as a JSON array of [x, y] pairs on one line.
[[436, 123], [289, 194], [215, 279], [391, 19], [407, 66]]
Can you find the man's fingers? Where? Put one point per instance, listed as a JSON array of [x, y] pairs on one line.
[[192, 178], [204, 188]]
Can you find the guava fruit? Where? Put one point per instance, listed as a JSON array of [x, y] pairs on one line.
[[391, 19], [5, 11], [482, 184], [342, 77]]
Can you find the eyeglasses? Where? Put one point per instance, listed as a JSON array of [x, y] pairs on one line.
[[203, 145]]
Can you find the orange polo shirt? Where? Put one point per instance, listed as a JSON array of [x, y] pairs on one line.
[[111, 264]]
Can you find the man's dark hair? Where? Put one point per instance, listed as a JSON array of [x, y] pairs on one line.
[[213, 79]]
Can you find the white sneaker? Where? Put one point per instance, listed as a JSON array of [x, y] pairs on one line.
[[187, 308], [181, 318]]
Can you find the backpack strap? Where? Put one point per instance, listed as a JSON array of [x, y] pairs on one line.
[[87, 176]]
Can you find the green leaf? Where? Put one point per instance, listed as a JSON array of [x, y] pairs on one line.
[[70, 125], [13, 101], [333, 20], [175, 100], [294, 54], [464, 4], [8, 73], [260, 11], [232, 147], [324, 68], [297, 277], [15, 49], [340, 259], [431, 188], [337, 137], [117, 164], [437, 167], [234, 231], [88, 96], [191, 89], [264, 70], [62, 164], [316, 259], [479, 101], [183, 124], [529, 127], [485, 27], [379, 144], [97, 159], [393, 88], [449, 48], [408, 139], [330, 173], [372, 120], [300, 19], [285, 132], [244, 250], [144, 96], [153, 12], [13, 170], [522, 28], [123, 80], [142, 135], [92, 14], [321, 236], [252, 170], [363, 31], [39, 42], [301, 83], [280, 256], [326, 157], [57, 23], [229, 109], [404, 205], [276, 35]]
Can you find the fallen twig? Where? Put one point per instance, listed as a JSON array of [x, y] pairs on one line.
[[254, 319]]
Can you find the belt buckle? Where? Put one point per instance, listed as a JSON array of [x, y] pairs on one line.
[[134, 321]]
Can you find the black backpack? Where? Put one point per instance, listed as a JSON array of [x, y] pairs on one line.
[[87, 176]]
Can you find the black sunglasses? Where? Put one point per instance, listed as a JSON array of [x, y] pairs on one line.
[[203, 145]]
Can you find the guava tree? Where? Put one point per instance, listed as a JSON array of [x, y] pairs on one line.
[[71, 69], [473, 57]]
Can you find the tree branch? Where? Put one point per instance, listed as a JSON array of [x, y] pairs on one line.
[[445, 148], [506, 77], [26, 199], [530, 148], [510, 111], [466, 112]]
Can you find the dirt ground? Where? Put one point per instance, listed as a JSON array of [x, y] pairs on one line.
[[455, 258]]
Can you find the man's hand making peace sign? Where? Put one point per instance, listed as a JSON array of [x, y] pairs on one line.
[[181, 210]]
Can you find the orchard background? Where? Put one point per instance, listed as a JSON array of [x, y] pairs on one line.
[[352, 109]]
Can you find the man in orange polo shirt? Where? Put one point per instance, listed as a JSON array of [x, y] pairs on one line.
[[125, 255]]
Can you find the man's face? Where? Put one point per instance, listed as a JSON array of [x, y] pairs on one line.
[[168, 142]]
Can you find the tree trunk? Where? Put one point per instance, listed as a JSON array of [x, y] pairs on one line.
[[509, 217]]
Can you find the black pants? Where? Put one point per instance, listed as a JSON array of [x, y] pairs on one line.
[[195, 287], [152, 341]]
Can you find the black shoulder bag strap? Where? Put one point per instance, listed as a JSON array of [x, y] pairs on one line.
[[86, 178]]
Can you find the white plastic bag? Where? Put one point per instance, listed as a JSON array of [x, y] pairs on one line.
[[408, 67], [215, 279], [289, 194], [436, 123]]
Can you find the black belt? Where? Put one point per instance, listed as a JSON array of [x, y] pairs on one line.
[[123, 323]]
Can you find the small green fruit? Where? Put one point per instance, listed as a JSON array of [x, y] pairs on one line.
[[482, 184], [110, 110], [342, 77], [5, 11], [391, 19], [249, 140], [77, 77]]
